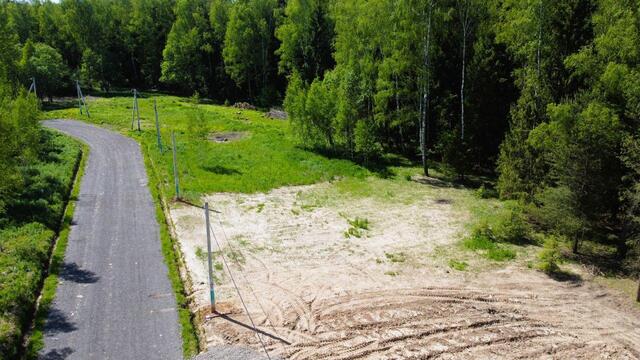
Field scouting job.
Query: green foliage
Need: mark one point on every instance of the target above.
(185, 56)
(360, 223)
(249, 48)
(20, 143)
(556, 212)
(480, 239)
(22, 260)
(550, 256)
(27, 233)
(490, 234)
(197, 124)
(46, 65)
(458, 265)
(500, 254)
(92, 70)
(305, 35)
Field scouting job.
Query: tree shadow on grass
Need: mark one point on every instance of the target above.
(379, 165)
(220, 170)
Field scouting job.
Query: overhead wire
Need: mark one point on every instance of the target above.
(224, 260)
(224, 233)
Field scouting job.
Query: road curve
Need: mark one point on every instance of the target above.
(114, 299)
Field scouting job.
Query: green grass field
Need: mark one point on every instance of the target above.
(264, 158)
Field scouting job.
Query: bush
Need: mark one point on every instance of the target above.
(512, 225)
(550, 257)
(509, 226)
(485, 192)
(556, 212)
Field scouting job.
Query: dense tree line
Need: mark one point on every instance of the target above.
(546, 93)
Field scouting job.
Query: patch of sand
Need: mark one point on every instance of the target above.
(317, 294)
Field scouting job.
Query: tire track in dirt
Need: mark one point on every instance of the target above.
(331, 297)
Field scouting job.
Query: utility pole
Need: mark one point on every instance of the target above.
(155, 109)
(212, 294)
(79, 97)
(136, 110)
(175, 165)
(81, 101)
(32, 87)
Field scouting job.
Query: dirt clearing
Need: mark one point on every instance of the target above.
(334, 271)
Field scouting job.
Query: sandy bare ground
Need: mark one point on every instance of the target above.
(317, 294)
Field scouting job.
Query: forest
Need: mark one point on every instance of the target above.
(541, 95)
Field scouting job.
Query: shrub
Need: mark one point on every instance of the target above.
(481, 239)
(485, 239)
(550, 257)
(512, 225)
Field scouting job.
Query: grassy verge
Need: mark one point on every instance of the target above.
(35, 216)
(36, 341)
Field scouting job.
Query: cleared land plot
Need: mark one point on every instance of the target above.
(318, 291)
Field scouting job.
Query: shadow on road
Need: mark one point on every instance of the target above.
(57, 354)
(72, 272)
(57, 322)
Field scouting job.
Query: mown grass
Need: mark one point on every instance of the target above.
(27, 234)
(266, 157)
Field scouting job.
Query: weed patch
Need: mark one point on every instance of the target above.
(458, 265)
(399, 257)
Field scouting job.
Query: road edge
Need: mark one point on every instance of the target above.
(173, 259)
(35, 338)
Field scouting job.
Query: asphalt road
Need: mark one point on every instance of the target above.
(114, 300)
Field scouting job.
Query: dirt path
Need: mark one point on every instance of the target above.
(384, 295)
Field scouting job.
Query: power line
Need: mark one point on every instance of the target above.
(247, 281)
(224, 260)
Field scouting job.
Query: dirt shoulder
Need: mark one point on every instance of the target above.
(319, 293)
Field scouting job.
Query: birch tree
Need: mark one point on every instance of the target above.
(465, 8)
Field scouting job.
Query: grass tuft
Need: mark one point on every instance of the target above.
(458, 265)
(399, 257)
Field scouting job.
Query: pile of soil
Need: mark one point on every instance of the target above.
(276, 114)
(244, 105)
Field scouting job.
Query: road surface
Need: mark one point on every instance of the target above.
(114, 299)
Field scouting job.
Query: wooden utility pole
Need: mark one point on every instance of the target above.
(155, 110)
(212, 295)
(175, 165)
